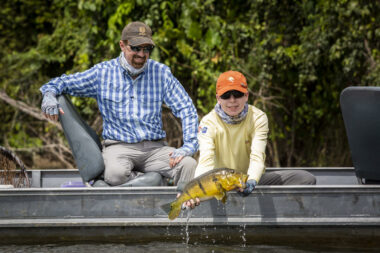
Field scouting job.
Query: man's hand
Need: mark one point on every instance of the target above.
(50, 106)
(173, 161)
(249, 187)
(176, 156)
(192, 203)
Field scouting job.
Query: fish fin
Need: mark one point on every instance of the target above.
(224, 199)
(222, 193)
(222, 196)
(172, 209)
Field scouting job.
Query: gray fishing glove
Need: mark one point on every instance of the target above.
(50, 104)
(180, 152)
(177, 155)
(250, 186)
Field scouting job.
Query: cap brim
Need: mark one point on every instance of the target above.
(140, 41)
(225, 89)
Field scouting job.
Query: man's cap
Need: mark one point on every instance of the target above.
(137, 33)
(231, 80)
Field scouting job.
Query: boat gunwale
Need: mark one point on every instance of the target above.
(172, 190)
(193, 221)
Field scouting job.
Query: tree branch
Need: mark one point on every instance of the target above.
(370, 58)
(28, 109)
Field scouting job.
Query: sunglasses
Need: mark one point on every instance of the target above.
(147, 49)
(235, 93)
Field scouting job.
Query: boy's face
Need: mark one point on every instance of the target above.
(232, 102)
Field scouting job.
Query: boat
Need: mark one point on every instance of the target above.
(337, 209)
(341, 210)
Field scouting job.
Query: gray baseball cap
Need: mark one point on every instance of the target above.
(137, 33)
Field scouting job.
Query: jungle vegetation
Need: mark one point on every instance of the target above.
(298, 55)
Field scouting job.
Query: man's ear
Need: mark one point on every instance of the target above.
(123, 45)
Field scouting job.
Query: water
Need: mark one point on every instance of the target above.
(164, 248)
(187, 243)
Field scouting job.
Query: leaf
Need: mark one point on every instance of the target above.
(194, 32)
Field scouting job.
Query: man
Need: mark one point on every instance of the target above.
(234, 135)
(130, 91)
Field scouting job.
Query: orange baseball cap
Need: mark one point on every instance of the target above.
(231, 80)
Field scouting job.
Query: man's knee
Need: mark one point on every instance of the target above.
(115, 178)
(189, 163)
(285, 177)
(310, 178)
(305, 178)
(116, 174)
(187, 171)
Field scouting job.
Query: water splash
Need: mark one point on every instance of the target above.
(204, 232)
(185, 234)
(244, 239)
(243, 208)
(189, 212)
(242, 230)
(167, 233)
(181, 231)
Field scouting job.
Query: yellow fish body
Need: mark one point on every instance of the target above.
(214, 183)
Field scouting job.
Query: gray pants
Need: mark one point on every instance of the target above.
(287, 177)
(123, 161)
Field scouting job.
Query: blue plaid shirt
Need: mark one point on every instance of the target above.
(132, 109)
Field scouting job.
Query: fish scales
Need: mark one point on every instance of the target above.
(201, 188)
(214, 183)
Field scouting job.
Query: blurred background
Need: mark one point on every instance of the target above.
(297, 56)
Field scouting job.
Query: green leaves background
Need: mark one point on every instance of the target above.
(297, 56)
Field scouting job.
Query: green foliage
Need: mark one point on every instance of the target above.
(297, 56)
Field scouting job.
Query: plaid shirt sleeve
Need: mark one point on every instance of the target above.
(182, 107)
(82, 84)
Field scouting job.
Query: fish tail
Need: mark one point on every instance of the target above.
(172, 209)
(166, 207)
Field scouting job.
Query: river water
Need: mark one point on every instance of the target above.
(164, 247)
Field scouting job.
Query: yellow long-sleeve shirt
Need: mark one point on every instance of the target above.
(237, 146)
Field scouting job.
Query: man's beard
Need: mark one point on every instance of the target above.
(138, 64)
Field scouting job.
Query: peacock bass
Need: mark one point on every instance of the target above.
(214, 183)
